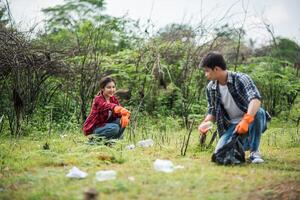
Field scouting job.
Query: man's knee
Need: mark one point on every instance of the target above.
(258, 126)
(260, 114)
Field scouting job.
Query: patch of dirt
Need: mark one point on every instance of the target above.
(13, 187)
(288, 190)
(60, 164)
(104, 157)
(55, 164)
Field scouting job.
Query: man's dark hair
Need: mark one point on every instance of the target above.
(213, 59)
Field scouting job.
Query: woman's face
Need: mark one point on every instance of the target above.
(109, 90)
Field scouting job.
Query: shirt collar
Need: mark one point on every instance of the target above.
(229, 77)
(229, 80)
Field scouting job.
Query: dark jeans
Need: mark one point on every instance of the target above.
(112, 130)
(252, 139)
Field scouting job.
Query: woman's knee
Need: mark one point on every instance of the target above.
(108, 131)
(114, 129)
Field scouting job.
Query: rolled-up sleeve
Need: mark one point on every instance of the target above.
(250, 90)
(210, 108)
(100, 105)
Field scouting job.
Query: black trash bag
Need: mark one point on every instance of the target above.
(231, 153)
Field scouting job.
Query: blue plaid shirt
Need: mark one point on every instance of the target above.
(242, 90)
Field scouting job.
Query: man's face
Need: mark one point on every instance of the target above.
(211, 74)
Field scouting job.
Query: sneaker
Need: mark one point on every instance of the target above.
(255, 157)
(94, 140)
(91, 141)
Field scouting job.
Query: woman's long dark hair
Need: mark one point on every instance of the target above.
(104, 81)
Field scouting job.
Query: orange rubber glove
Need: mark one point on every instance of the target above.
(124, 121)
(243, 126)
(121, 110)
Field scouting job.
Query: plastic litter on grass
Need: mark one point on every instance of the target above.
(165, 166)
(145, 143)
(130, 147)
(76, 173)
(104, 175)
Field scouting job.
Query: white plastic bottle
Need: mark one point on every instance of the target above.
(205, 126)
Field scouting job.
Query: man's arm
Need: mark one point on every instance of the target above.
(211, 112)
(202, 127)
(243, 126)
(209, 118)
(253, 107)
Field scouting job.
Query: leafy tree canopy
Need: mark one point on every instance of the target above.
(67, 14)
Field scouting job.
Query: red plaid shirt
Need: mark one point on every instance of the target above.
(99, 114)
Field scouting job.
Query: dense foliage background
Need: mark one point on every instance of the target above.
(48, 80)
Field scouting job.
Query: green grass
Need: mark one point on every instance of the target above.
(27, 171)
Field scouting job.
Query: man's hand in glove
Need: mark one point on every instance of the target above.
(243, 126)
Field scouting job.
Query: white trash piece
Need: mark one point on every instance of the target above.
(165, 166)
(130, 147)
(178, 167)
(145, 143)
(76, 173)
(206, 125)
(106, 175)
(131, 178)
